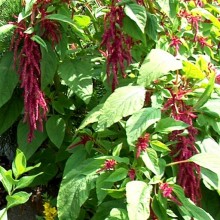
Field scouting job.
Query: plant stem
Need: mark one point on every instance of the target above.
(177, 162)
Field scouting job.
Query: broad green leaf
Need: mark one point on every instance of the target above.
(159, 146)
(105, 208)
(137, 13)
(210, 179)
(118, 214)
(130, 28)
(152, 26)
(3, 214)
(210, 161)
(25, 181)
(82, 21)
(140, 121)
(117, 175)
(123, 102)
(60, 18)
(152, 161)
(48, 65)
(29, 148)
(17, 199)
(10, 112)
(101, 185)
(6, 179)
(192, 71)
(167, 125)
(211, 108)
(188, 207)
(138, 199)
(5, 29)
(157, 63)
(19, 164)
(159, 209)
(77, 75)
(207, 93)
(40, 41)
(92, 116)
(76, 186)
(8, 78)
(55, 127)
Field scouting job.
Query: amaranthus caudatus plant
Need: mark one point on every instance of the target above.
(144, 147)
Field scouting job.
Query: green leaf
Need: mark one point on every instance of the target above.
(140, 121)
(117, 214)
(6, 179)
(159, 146)
(77, 75)
(192, 71)
(8, 78)
(82, 21)
(40, 41)
(17, 199)
(25, 181)
(55, 127)
(211, 107)
(130, 28)
(188, 207)
(3, 214)
(210, 161)
(159, 209)
(123, 102)
(167, 125)
(152, 26)
(61, 18)
(92, 116)
(138, 199)
(117, 175)
(5, 29)
(79, 178)
(29, 148)
(152, 162)
(19, 164)
(210, 179)
(156, 64)
(101, 185)
(207, 93)
(137, 13)
(48, 65)
(10, 112)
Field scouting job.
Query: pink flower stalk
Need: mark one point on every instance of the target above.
(117, 44)
(108, 165)
(35, 106)
(83, 140)
(142, 144)
(132, 174)
(175, 42)
(193, 19)
(167, 193)
(189, 173)
(203, 41)
(49, 29)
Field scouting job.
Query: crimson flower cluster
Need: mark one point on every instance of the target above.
(117, 44)
(167, 193)
(35, 106)
(142, 144)
(108, 165)
(189, 173)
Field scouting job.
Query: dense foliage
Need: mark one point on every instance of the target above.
(117, 103)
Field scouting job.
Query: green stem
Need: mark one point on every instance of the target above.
(150, 5)
(178, 162)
